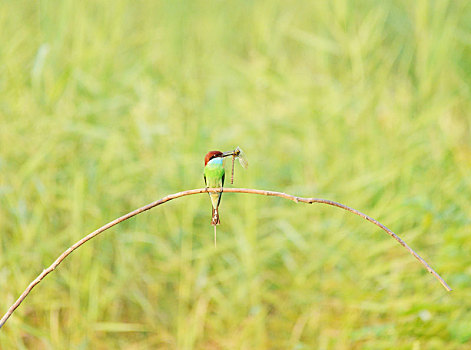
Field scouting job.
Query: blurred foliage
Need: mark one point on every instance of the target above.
(108, 105)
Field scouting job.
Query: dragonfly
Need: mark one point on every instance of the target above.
(240, 155)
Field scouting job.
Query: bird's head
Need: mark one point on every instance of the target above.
(212, 154)
(217, 154)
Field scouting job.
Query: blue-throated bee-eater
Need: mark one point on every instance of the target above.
(214, 177)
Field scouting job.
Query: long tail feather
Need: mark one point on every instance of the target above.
(215, 233)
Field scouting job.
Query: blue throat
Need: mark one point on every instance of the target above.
(215, 161)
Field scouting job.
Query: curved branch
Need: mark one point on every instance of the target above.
(296, 199)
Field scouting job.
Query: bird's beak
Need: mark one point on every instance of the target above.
(227, 154)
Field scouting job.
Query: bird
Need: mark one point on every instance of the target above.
(214, 175)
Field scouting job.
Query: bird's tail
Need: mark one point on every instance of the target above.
(215, 218)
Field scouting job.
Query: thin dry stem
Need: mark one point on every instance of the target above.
(296, 199)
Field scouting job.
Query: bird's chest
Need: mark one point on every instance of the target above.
(214, 171)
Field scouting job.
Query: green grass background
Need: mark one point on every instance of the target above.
(108, 105)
